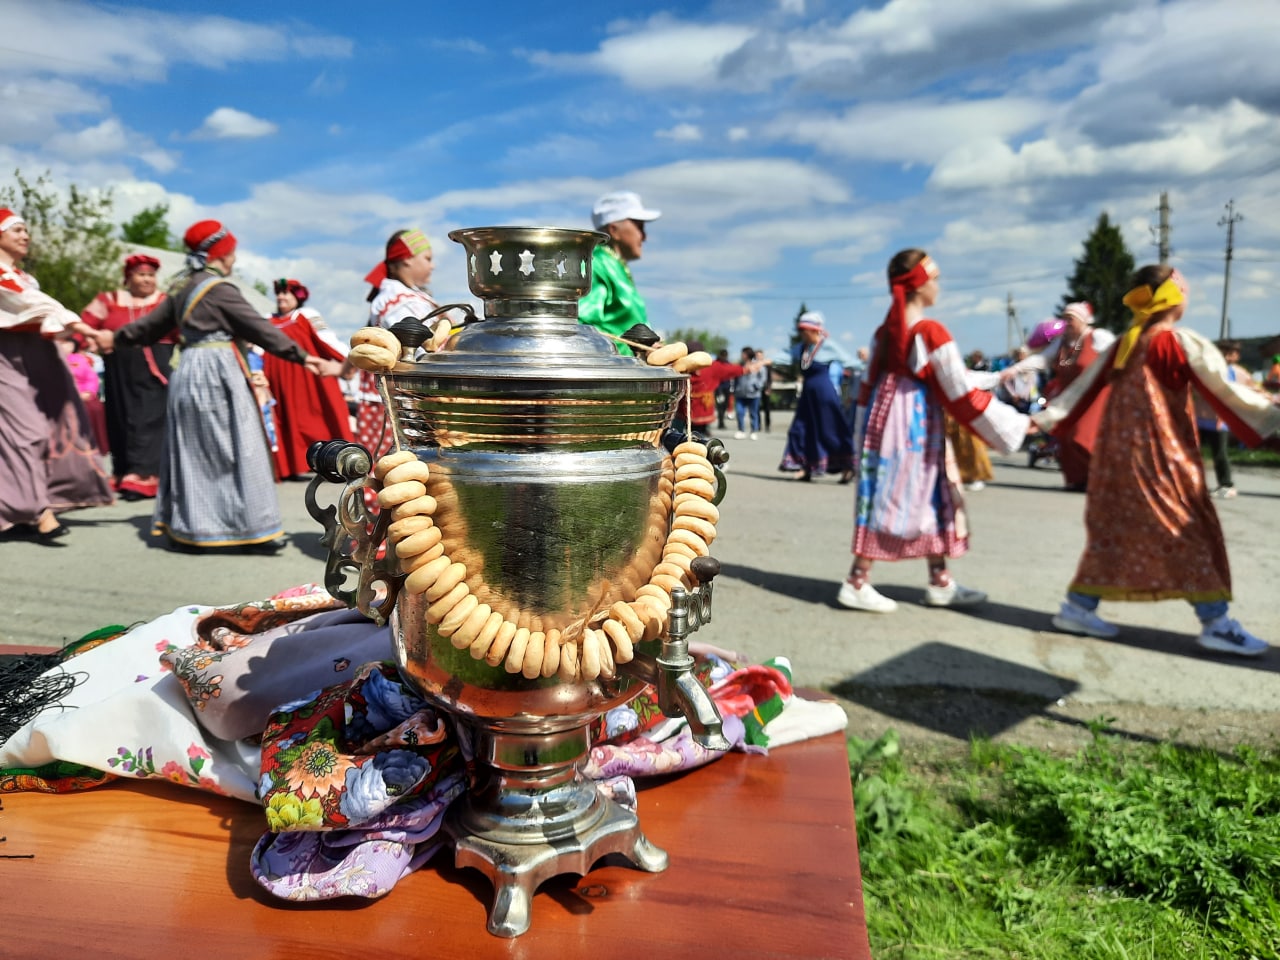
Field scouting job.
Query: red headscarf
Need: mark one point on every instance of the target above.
(403, 246)
(207, 240)
(137, 260)
(893, 344)
(9, 219)
(295, 287)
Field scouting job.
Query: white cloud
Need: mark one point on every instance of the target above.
(228, 123)
(108, 139)
(681, 133)
(459, 44)
(662, 53)
(31, 107)
(118, 43)
(1191, 144)
(912, 131)
(738, 134)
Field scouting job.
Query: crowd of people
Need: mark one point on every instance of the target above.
(198, 386)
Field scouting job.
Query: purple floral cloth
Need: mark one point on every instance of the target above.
(362, 862)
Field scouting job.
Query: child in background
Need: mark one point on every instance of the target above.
(88, 385)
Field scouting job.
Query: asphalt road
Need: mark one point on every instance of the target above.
(784, 546)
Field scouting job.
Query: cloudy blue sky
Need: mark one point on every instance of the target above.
(792, 145)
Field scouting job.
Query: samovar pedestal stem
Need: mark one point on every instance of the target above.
(530, 815)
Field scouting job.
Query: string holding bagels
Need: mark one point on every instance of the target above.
(463, 608)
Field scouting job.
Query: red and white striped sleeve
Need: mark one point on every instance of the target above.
(936, 358)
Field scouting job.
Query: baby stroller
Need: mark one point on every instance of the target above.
(1041, 447)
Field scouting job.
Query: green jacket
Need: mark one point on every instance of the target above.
(613, 305)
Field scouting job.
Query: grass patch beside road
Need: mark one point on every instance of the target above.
(1120, 851)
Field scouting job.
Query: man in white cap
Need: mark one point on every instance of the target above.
(614, 305)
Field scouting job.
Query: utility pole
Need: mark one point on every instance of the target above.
(1229, 221)
(1162, 234)
(1014, 329)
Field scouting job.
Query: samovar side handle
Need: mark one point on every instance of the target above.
(352, 546)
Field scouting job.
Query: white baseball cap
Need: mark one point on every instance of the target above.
(620, 205)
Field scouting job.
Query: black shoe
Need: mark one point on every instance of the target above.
(49, 537)
(29, 533)
(268, 548)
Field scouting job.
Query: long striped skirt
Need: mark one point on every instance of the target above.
(908, 502)
(217, 488)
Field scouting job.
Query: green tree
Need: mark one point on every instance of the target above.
(150, 227)
(713, 343)
(1102, 276)
(74, 252)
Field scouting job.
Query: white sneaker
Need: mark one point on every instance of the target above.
(1225, 635)
(865, 597)
(1225, 493)
(755, 436)
(1085, 623)
(739, 435)
(952, 595)
(976, 485)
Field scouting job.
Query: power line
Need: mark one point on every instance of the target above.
(716, 294)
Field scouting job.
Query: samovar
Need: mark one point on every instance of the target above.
(544, 452)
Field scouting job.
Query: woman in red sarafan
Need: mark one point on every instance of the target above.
(1152, 531)
(308, 407)
(702, 390)
(136, 387)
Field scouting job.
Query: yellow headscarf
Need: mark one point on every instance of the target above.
(1145, 303)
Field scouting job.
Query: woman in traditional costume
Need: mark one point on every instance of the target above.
(47, 458)
(216, 485)
(399, 292)
(1063, 360)
(909, 502)
(1152, 531)
(819, 440)
(308, 408)
(136, 380)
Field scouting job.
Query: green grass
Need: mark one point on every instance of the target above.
(1121, 851)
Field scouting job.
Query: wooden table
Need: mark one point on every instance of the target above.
(764, 863)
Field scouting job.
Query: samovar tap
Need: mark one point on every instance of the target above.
(671, 671)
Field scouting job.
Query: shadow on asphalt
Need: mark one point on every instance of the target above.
(823, 591)
(1140, 638)
(789, 585)
(309, 544)
(142, 527)
(954, 691)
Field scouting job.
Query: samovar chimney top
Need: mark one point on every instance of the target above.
(528, 272)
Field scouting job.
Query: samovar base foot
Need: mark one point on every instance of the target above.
(517, 870)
